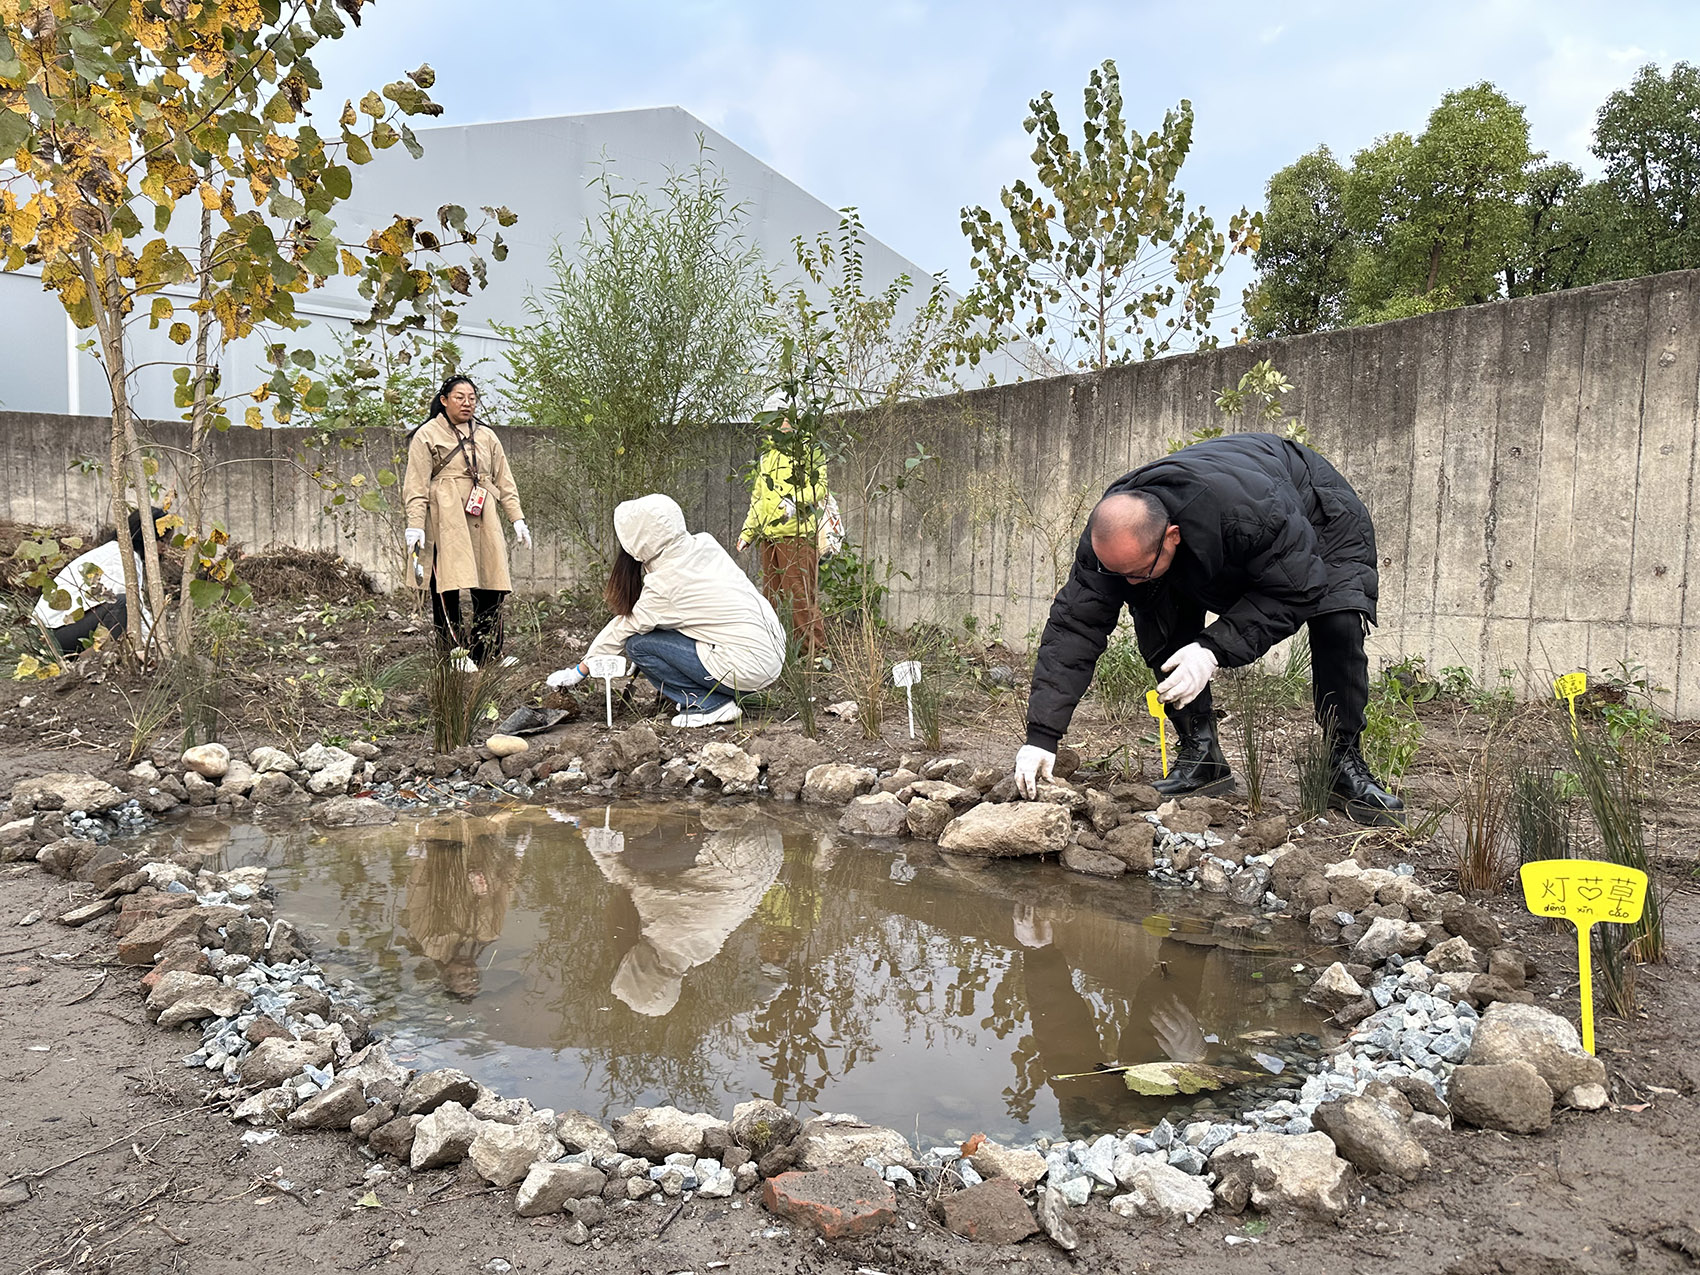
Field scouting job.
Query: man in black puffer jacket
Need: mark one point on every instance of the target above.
(1266, 534)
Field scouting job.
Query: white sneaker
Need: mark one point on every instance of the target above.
(727, 712)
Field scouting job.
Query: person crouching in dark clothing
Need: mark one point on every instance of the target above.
(1261, 531)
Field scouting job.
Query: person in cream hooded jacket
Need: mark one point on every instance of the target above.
(698, 628)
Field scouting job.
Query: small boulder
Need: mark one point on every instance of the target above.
(501, 746)
(504, 1153)
(658, 1132)
(548, 1187)
(1275, 1170)
(209, 761)
(213, 1002)
(395, 1137)
(1021, 1165)
(834, 783)
(734, 769)
(336, 1108)
(432, 1089)
(353, 812)
(998, 831)
(1388, 937)
(1510, 1032)
(276, 788)
(271, 761)
(832, 1139)
(1511, 1096)
(267, 1108)
(991, 1213)
(632, 748)
(1134, 843)
(759, 1126)
(580, 1132)
(1371, 1135)
(840, 1203)
(276, 1060)
(1159, 1190)
(443, 1137)
(1092, 863)
(880, 814)
(926, 818)
(1334, 989)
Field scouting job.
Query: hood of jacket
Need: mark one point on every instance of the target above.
(649, 526)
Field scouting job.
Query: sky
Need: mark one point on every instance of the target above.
(912, 110)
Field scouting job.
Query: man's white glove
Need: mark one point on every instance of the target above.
(560, 679)
(415, 538)
(1189, 671)
(522, 533)
(1032, 764)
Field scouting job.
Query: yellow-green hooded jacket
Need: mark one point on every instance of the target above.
(775, 500)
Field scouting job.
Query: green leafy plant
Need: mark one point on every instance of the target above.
(371, 684)
(1392, 733)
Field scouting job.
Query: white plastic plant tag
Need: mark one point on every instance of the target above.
(607, 667)
(605, 840)
(906, 673)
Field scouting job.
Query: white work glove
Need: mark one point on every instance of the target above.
(415, 538)
(522, 533)
(1032, 764)
(1189, 671)
(560, 679)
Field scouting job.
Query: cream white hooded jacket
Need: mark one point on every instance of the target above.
(692, 585)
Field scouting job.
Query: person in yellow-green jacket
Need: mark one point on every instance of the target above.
(783, 520)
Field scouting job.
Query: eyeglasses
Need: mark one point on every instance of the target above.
(1141, 577)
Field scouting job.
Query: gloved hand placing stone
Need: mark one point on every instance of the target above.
(1032, 764)
(560, 679)
(1189, 671)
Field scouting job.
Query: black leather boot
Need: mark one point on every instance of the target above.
(1360, 794)
(1197, 768)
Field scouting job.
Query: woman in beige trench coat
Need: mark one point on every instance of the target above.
(456, 472)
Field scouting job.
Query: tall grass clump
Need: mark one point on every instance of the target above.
(797, 677)
(1251, 696)
(460, 701)
(1316, 775)
(1540, 813)
(1122, 678)
(1610, 784)
(1482, 813)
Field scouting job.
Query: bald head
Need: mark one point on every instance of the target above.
(1129, 521)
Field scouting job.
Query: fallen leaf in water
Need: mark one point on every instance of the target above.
(973, 1144)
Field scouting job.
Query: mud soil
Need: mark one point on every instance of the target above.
(152, 1180)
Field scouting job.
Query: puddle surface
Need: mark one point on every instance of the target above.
(636, 955)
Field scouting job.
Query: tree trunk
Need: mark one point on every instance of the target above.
(196, 486)
(108, 321)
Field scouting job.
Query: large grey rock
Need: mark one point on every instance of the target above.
(271, 761)
(443, 1137)
(736, 770)
(1092, 863)
(1023, 1165)
(175, 985)
(209, 761)
(1527, 1033)
(333, 778)
(353, 812)
(335, 1108)
(998, 831)
(373, 1065)
(319, 756)
(548, 1187)
(880, 814)
(1275, 1170)
(580, 1132)
(1511, 1096)
(834, 783)
(1388, 937)
(1455, 956)
(1134, 843)
(1371, 1135)
(206, 1002)
(658, 1132)
(63, 790)
(395, 1137)
(927, 818)
(633, 747)
(238, 779)
(759, 1126)
(431, 1089)
(1159, 1190)
(504, 1153)
(277, 1060)
(275, 788)
(831, 1140)
(1334, 989)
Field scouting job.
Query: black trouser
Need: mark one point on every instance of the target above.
(485, 640)
(114, 615)
(1339, 669)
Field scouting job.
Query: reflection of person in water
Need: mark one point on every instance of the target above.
(1062, 1021)
(457, 897)
(689, 901)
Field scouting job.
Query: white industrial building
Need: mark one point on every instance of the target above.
(542, 169)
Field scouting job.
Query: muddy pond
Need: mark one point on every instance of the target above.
(607, 957)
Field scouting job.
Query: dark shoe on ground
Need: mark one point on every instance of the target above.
(1198, 769)
(1360, 794)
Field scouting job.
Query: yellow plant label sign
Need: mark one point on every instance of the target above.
(1584, 892)
(1154, 706)
(1570, 686)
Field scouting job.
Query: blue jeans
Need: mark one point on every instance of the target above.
(669, 660)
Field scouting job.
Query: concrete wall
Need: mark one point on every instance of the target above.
(1530, 466)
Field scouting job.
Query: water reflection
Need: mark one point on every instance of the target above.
(639, 954)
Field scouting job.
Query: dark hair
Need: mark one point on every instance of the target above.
(136, 538)
(438, 408)
(625, 583)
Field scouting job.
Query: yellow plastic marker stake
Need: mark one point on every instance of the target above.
(1568, 688)
(1584, 892)
(1154, 706)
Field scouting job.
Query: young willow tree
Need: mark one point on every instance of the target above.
(646, 338)
(161, 166)
(1108, 263)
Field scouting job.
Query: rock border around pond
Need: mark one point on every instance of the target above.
(1428, 994)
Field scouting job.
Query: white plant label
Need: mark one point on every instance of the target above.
(607, 667)
(906, 675)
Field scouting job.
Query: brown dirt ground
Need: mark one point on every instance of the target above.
(165, 1185)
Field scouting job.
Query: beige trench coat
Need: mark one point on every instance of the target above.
(467, 552)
